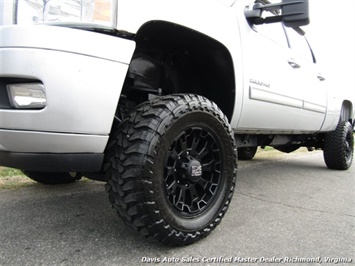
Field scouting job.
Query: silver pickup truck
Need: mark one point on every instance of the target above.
(160, 98)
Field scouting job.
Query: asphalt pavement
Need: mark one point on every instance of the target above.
(287, 209)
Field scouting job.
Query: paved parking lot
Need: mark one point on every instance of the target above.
(287, 209)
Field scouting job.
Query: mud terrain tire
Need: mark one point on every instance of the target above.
(339, 147)
(171, 168)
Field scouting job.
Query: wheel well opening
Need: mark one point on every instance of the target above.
(347, 111)
(170, 58)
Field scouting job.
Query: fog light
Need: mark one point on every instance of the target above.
(27, 95)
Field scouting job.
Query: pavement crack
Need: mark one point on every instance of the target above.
(295, 207)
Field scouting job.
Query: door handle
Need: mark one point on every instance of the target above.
(320, 77)
(293, 64)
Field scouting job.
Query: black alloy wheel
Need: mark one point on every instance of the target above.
(192, 171)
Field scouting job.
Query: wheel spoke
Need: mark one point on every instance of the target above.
(170, 171)
(194, 145)
(205, 150)
(179, 197)
(174, 155)
(202, 183)
(172, 187)
(193, 193)
(207, 167)
(183, 144)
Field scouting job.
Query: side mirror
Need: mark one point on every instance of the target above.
(294, 13)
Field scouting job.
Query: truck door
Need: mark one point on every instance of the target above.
(309, 81)
(271, 102)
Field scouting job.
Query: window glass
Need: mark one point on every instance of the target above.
(274, 32)
(37, 11)
(299, 44)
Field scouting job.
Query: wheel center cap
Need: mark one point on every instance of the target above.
(195, 170)
(189, 169)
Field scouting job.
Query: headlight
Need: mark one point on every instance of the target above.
(95, 11)
(27, 95)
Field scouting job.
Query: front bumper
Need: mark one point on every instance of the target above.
(82, 72)
(78, 162)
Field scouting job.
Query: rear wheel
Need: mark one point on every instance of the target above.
(48, 178)
(339, 147)
(171, 168)
(247, 153)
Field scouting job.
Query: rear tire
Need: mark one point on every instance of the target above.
(339, 147)
(48, 178)
(247, 153)
(171, 168)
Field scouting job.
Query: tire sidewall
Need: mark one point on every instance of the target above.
(159, 152)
